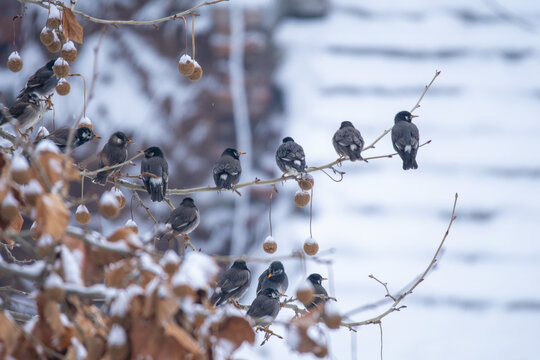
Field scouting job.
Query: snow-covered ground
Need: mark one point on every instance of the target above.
(365, 62)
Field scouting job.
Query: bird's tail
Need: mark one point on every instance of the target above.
(156, 193)
(101, 177)
(356, 155)
(409, 162)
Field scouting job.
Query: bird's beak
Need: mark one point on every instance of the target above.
(242, 153)
(141, 151)
(282, 295)
(269, 275)
(130, 141)
(414, 116)
(324, 278)
(97, 136)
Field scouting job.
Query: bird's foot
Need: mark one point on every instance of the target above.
(339, 161)
(236, 191)
(236, 304)
(48, 102)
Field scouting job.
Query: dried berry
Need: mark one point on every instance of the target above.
(304, 293)
(108, 205)
(82, 215)
(301, 198)
(20, 170)
(55, 18)
(63, 87)
(14, 62)
(69, 52)
(270, 245)
(132, 225)
(197, 72)
(306, 181)
(310, 246)
(56, 44)
(61, 68)
(46, 36)
(186, 65)
(9, 208)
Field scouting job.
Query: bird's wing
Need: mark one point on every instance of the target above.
(415, 135)
(59, 136)
(184, 214)
(262, 277)
(229, 167)
(165, 175)
(234, 280)
(291, 151)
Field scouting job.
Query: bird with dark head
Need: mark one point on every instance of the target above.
(114, 152)
(80, 137)
(290, 157)
(185, 218)
(232, 284)
(155, 173)
(274, 277)
(25, 111)
(316, 280)
(264, 309)
(227, 169)
(405, 139)
(42, 82)
(348, 141)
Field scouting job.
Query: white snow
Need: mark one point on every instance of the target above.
(19, 163)
(10, 200)
(197, 271)
(310, 241)
(81, 209)
(42, 132)
(108, 198)
(72, 269)
(46, 145)
(85, 120)
(61, 62)
(117, 336)
(305, 285)
(269, 239)
(130, 223)
(53, 281)
(32, 270)
(14, 56)
(148, 264)
(32, 188)
(80, 350)
(121, 303)
(170, 257)
(54, 13)
(45, 240)
(68, 46)
(184, 59)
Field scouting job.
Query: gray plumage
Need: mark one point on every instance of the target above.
(348, 141)
(274, 277)
(43, 81)
(290, 157)
(25, 110)
(227, 169)
(233, 283)
(405, 139)
(80, 136)
(113, 153)
(185, 218)
(315, 280)
(154, 163)
(265, 307)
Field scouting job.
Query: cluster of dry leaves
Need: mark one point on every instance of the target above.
(112, 297)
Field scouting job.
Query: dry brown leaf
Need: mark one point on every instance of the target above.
(236, 329)
(147, 339)
(52, 316)
(51, 164)
(9, 333)
(72, 29)
(5, 177)
(166, 308)
(305, 343)
(183, 338)
(52, 216)
(115, 276)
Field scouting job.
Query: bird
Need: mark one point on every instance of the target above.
(290, 157)
(315, 280)
(233, 283)
(114, 152)
(227, 169)
(348, 141)
(274, 277)
(60, 137)
(155, 173)
(25, 110)
(185, 218)
(405, 138)
(264, 309)
(43, 81)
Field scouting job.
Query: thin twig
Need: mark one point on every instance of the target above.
(394, 306)
(383, 284)
(95, 172)
(127, 22)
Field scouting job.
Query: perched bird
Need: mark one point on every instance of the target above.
(114, 152)
(227, 169)
(185, 218)
(155, 173)
(42, 82)
(232, 284)
(315, 280)
(405, 139)
(348, 142)
(25, 110)
(290, 157)
(274, 277)
(265, 307)
(80, 136)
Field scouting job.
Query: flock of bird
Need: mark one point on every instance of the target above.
(290, 158)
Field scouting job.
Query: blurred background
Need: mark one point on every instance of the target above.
(298, 68)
